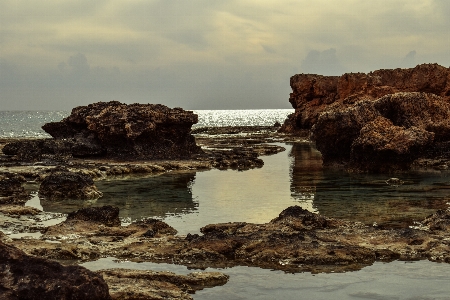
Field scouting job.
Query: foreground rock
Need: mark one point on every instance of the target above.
(136, 284)
(26, 277)
(64, 184)
(296, 241)
(312, 94)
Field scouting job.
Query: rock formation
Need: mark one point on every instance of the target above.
(64, 184)
(381, 121)
(121, 130)
(115, 130)
(312, 94)
(384, 134)
(27, 277)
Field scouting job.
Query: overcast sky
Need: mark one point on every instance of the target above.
(203, 54)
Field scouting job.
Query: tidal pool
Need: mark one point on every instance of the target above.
(190, 200)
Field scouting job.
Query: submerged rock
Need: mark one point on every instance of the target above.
(64, 184)
(27, 277)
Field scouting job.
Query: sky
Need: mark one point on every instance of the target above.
(204, 54)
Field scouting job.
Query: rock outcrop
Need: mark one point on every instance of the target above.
(27, 277)
(64, 184)
(115, 130)
(121, 130)
(313, 94)
(384, 134)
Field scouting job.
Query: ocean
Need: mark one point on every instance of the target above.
(27, 124)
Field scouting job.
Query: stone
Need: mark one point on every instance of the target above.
(128, 131)
(386, 134)
(11, 189)
(312, 94)
(138, 284)
(106, 215)
(64, 184)
(26, 277)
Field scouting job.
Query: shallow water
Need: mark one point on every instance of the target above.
(395, 280)
(189, 200)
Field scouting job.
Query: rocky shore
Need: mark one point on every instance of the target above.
(384, 121)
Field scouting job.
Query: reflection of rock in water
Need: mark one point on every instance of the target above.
(152, 196)
(365, 198)
(305, 173)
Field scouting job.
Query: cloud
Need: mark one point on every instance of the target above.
(203, 53)
(323, 63)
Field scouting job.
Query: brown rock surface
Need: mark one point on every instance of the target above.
(385, 134)
(312, 94)
(26, 277)
(64, 184)
(128, 131)
(11, 189)
(136, 284)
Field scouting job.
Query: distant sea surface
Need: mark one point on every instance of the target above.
(27, 124)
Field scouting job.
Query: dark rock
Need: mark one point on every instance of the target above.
(27, 277)
(11, 189)
(128, 131)
(106, 215)
(385, 134)
(64, 184)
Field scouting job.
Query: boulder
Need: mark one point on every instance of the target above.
(126, 131)
(26, 277)
(385, 134)
(106, 215)
(64, 184)
(313, 94)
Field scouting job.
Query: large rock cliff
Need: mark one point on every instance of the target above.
(312, 94)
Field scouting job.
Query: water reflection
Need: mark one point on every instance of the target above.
(137, 197)
(365, 197)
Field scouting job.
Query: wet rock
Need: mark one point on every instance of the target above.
(106, 215)
(11, 189)
(128, 131)
(64, 184)
(313, 94)
(440, 220)
(385, 134)
(26, 277)
(136, 284)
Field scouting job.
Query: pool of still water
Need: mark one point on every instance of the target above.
(189, 200)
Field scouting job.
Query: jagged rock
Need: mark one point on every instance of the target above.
(11, 189)
(128, 131)
(384, 134)
(64, 184)
(27, 277)
(313, 94)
